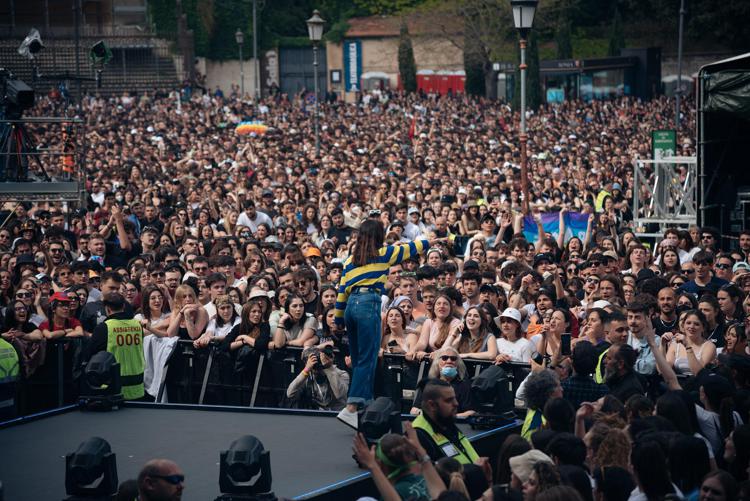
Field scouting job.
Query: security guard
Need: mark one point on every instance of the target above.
(533, 421)
(8, 378)
(122, 336)
(436, 427)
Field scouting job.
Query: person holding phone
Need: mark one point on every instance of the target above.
(549, 342)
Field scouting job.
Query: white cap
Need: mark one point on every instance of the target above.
(601, 304)
(511, 313)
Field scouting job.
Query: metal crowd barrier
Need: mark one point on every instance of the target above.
(208, 376)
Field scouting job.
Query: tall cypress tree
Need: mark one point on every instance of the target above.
(407, 67)
(616, 36)
(562, 34)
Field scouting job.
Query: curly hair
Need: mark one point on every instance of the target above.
(614, 450)
(539, 387)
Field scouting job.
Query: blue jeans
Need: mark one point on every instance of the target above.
(362, 317)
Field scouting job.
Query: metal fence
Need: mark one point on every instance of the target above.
(138, 64)
(211, 376)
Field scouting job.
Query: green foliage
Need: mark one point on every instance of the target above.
(385, 7)
(723, 20)
(562, 35)
(407, 66)
(616, 36)
(585, 46)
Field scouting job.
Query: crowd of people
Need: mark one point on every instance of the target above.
(637, 349)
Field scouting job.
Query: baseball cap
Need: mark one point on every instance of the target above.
(543, 256)
(741, 265)
(60, 296)
(511, 313)
(523, 465)
(610, 254)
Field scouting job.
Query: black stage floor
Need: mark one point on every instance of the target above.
(310, 451)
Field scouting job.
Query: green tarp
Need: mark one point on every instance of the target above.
(729, 92)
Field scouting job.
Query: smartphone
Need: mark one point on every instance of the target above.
(565, 344)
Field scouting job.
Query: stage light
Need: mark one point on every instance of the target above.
(99, 54)
(245, 470)
(31, 45)
(101, 388)
(492, 390)
(91, 471)
(380, 417)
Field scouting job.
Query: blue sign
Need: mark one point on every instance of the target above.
(352, 65)
(575, 225)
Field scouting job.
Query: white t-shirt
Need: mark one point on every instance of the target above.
(260, 217)
(519, 350)
(220, 332)
(211, 310)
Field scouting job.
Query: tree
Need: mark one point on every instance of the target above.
(407, 67)
(616, 36)
(476, 27)
(562, 33)
(474, 66)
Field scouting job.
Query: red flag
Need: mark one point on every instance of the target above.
(413, 127)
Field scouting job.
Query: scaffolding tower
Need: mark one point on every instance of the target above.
(672, 183)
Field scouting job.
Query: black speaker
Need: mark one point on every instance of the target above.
(647, 71)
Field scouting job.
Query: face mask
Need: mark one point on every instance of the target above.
(449, 372)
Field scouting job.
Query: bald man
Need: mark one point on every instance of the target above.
(160, 480)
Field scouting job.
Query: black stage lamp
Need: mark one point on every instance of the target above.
(101, 388)
(91, 471)
(493, 392)
(99, 54)
(380, 417)
(245, 470)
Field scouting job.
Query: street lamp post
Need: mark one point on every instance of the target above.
(523, 18)
(315, 30)
(256, 66)
(240, 38)
(678, 92)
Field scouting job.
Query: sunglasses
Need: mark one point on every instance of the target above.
(171, 479)
(707, 237)
(596, 263)
(170, 261)
(591, 280)
(452, 358)
(723, 266)
(688, 270)
(157, 274)
(56, 250)
(302, 282)
(22, 295)
(200, 268)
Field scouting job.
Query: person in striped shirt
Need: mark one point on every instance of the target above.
(358, 306)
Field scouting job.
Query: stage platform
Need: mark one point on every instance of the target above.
(310, 450)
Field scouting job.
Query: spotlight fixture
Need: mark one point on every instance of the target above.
(31, 45)
(380, 417)
(91, 471)
(245, 471)
(493, 392)
(101, 388)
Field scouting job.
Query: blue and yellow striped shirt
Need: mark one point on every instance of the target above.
(373, 274)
